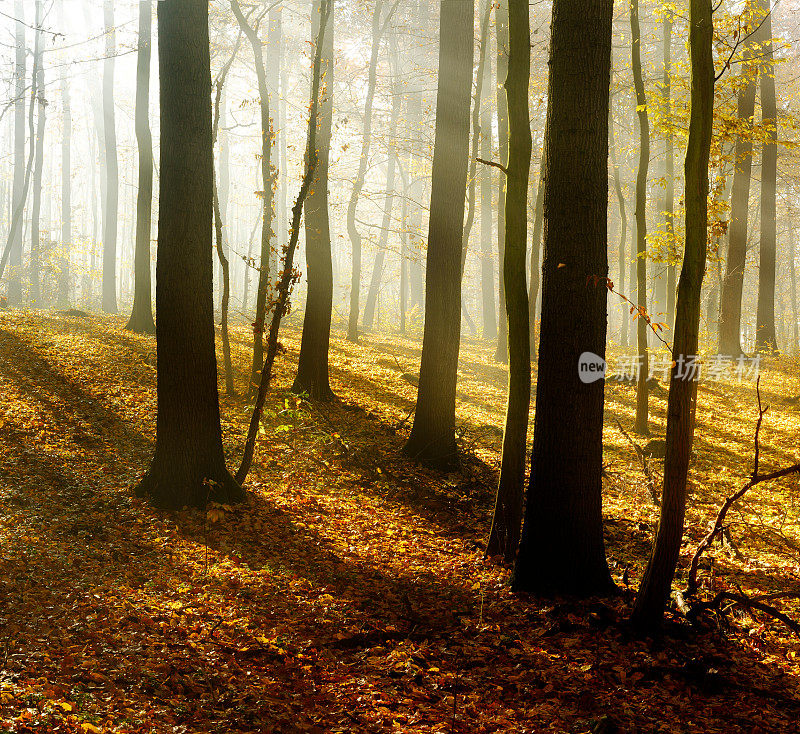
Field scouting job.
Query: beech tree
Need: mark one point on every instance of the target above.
(188, 466)
(432, 438)
(111, 208)
(562, 548)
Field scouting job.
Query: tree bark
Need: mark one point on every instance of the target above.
(312, 366)
(188, 467)
(654, 591)
(432, 438)
(141, 319)
(562, 549)
(766, 338)
(111, 210)
(504, 535)
(730, 317)
(641, 423)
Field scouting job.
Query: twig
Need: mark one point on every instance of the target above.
(651, 484)
(493, 164)
(747, 602)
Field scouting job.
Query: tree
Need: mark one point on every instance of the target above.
(432, 438)
(488, 292)
(640, 212)
(251, 31)
(561, 549)
(501, 31)
(669, 168)
(730, 315)
(312, 365)
(36, 201)
(110, 211)
(504, 535)
(141, 320)
(766, 339)
(188, 466)
(19, 192)
(66, 183)
(653, 593)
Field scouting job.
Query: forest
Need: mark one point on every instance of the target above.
(399, 366)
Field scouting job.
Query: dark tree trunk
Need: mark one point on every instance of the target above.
(730, 314)
(641, 424)
(562, 549)
(141, 320)
(432, 437)
(188, 467)
(312, 367)
(504, 535)
(766, 338)
(501, 22)
(654, 591)
(111, 210)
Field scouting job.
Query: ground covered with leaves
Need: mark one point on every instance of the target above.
(350, 594)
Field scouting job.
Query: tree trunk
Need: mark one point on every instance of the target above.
(501, 27)
(669, 172)
(262, 291)
(432, 438)
(623, 227)
(488, 292)
(35, 294)
(504, 535)
(358, 184)
(535, 266)
(654, 591)
(141, 320)
(65, 276)
(188, 467)
(730, 315)
(562, 549)
(17, 198)
(111, 210)
(766, 339)
(641, 424)
(312, 366)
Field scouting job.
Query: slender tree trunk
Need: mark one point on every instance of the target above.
(141, 320)
(535, 266)
(641, 424)
(504, 535)
(312, 367)
(669, 173)
(432, 437)
(111, 210)
(793, 277)
(18, 198)
(358, 184)
(65, 276)
(188, 467)
(730, 316)
(38, 167)
(262, 292)
(562, 549)
(404, 250)
(501, 24)
(766, 338)
(488, 292)
(623, 225)
(654, 591)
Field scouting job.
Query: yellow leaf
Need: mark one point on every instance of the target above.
(64, 706)
(91, 728)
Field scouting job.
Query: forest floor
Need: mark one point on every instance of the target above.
(350, 594)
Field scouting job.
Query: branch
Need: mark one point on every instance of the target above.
(651, 484)
(747, 602)
(493, 164)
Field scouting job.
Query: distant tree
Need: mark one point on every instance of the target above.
(19, 187)
(766, 338)
(35, 294)
(141, 320)
(730, 316)
(562, 549)
(66, 183)
(501, 32)
(188, 467)
(488, 292)
(504, 535)
(432, 437)
(312, 366)
(669, 169)
(250, 29)
(654, 591)
(111, 209)
(641, 424)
